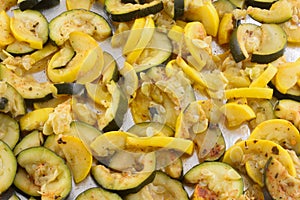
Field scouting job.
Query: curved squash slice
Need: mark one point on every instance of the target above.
(78, 157)
(236, 114)
(279, 12)
(6, 36)
(85, 66)
(8, 167)
(30, 26)
(206, 13)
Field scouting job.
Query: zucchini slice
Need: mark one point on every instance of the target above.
(19, 48)
(279, 183)
(110, 68)
(174, 8)
(69, 88)
(122, 12)
(114, 114)
(10, 100)
(211, 144)
(223, 6)
(97, 193)
(30, 26)
(268, 50)
(33, 139)
(148, 129)
(10, 131)
(8, 167)
(215, 178)
(78, 20)
(158, 51)
(37, 4)
(85, 132)
(281, 11)
(240, 45)
(287, 95)
(43, 173)
(264, 4)
(120, 181)
(168, 189)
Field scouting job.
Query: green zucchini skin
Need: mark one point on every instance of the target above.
(110, 69)
(264, 4)
(235, 49)
(37, 4)
(122, 15)
(116, 123)
(178, 8)
(280, 96)
(69, 88)
(3, 102)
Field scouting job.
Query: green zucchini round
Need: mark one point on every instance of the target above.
(86, 21)
(224, 175)
(56, 180)
(120, 182)
(8, 166)
(10, 130)
(238, 39)
(269, 50)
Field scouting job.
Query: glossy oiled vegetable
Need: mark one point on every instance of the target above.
(171, 73)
